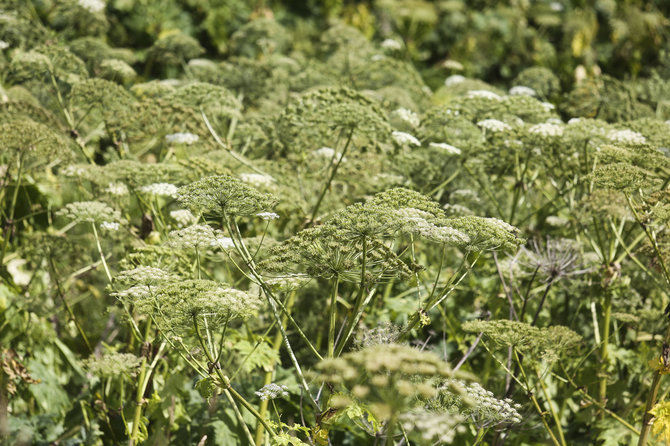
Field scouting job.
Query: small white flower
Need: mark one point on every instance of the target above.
(182, 138)
(502, 224)
(484, 94)
(574, 121)
(391, 44)
(626, 136)
(183, 217)
(555, 220)
(451, 150)
(257, 179)
(160, 189)
(408, 116)
(556, 6)
(93, 5)
(454, 79)
(144, 275)
(3, 45)
(272, 391)
(267, 215)
(193, 237)
(546, 129)
(548, 106)
(405, 138)
(118, 189)
(223, 243)
(328, 153)
(494, 125)
(110, 225)
(522, 91)
(452, 65)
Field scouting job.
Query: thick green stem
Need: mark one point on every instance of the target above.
(536, 404)
(351, 322)
(596, 403)
(102, 255)
(9, 225)
(332, 174)
(604, 351)
(139, 398)
(225, 383)
(66, 304)
(276, 345)
(647, 419)
(234, 232)
(333, 317)
(554, 415)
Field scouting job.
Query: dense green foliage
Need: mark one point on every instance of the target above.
(391, 222)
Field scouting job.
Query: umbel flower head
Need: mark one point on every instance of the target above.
(326, 251)
(221, 195)
(194, 237)
(478, 405)
(112, 364)
(178, 305)
(34, 141)
(315, 115)
(386, 377)
(90, 211)
(485, 234)
(538, 343)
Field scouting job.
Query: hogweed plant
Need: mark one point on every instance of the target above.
(291, 231)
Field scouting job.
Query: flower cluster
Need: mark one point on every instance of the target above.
(160, 189)
(272, 391)
(224, 195)
(494, 125)
(403, 138)
(182, 138)
(90, 211)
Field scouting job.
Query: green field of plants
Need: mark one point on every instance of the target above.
(337, 222)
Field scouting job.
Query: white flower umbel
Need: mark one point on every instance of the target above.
(494, 125)
(182, 138)
(183, 217)
(90, 211)
(110, 225)
(267, 215)
(257, 179)
(93, 5)
(391, 44)
(627, 137)
(118, 189)
(222, 243)
(272, 391)
(520, 90)
(328, 153)
(546, 129)
(3, 45)
(435, 427)
(448, 148)
(484, 94)
(144, 275)
(487, 410)
(160, 189)
(193, 237)
(403, 138)
(407, 116)
(453, 80)
(548, 106)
